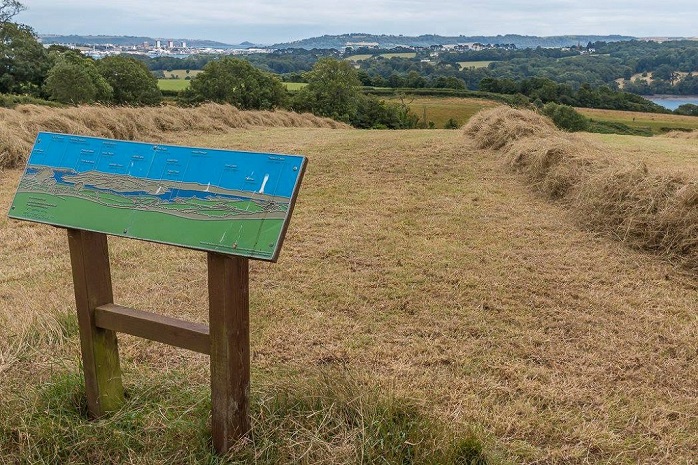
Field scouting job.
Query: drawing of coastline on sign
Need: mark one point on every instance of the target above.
(208, 199)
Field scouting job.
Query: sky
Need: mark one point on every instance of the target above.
(274, 21)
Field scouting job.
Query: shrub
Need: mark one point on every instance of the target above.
(565, 117)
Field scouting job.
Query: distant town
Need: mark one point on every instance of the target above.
(101, 46)
(181, 49)
(158, 48)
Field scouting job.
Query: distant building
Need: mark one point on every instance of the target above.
(184, 44)
(158, 44)
(362, 45)
(170, 44)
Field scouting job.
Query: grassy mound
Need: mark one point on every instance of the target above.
(19, 126)
(647, 210)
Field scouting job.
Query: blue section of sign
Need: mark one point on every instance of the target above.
(271, 174)
(224, 201)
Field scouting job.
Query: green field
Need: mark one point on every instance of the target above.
(182, 84)
(398, 55)
(657, 123)
(388, 56)
(359, 57)
(173, 84)
(181, 73)
(474, 64)
(440, 109)
(294, 86)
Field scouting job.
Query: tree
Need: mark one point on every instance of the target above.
(130, 81)
(74, 79)
(23, 60)
(688, 109)
(665, 73)
(332, 90)
(8, 10)
(235, 81)
(565, 117)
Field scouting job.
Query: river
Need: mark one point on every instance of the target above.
(672, 102)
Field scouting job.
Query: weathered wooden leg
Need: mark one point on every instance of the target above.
(229, 327)
(89, 257)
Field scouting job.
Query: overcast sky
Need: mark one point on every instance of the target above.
(270, 21)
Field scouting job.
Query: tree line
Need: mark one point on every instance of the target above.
(66, 76)
(531, 76)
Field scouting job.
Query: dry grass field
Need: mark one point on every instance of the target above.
(417, 266)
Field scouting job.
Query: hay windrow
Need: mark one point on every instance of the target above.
(493, 129)
(682, 134)
(650, 211)
(19, 126)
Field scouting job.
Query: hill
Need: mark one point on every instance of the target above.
(391, 41)
(124, 40)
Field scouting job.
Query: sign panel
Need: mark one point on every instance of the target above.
(225, 201)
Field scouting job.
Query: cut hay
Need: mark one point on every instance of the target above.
(19, 126)
(649, 211)
(495, 128)
(682, 134)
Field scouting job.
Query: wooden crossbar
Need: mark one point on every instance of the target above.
(172, 331)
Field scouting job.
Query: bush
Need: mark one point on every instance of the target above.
(451, 124)
(565, 117)
(687, 109)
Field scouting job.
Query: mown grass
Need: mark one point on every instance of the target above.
(417, 271)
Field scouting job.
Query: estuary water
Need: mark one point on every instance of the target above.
(672, 102)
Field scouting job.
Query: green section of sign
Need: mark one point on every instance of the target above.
(231, 202)
(245, 237)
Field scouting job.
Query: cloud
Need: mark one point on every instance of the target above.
(275, 20)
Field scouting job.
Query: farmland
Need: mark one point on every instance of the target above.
(419, 271)
(294, 86)
(474, 64)
(173, 84)
(181, 73)
(440, 109)
(657, 123)
(387, 56)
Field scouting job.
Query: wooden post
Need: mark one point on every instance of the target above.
(89, 257)
(228, 294)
